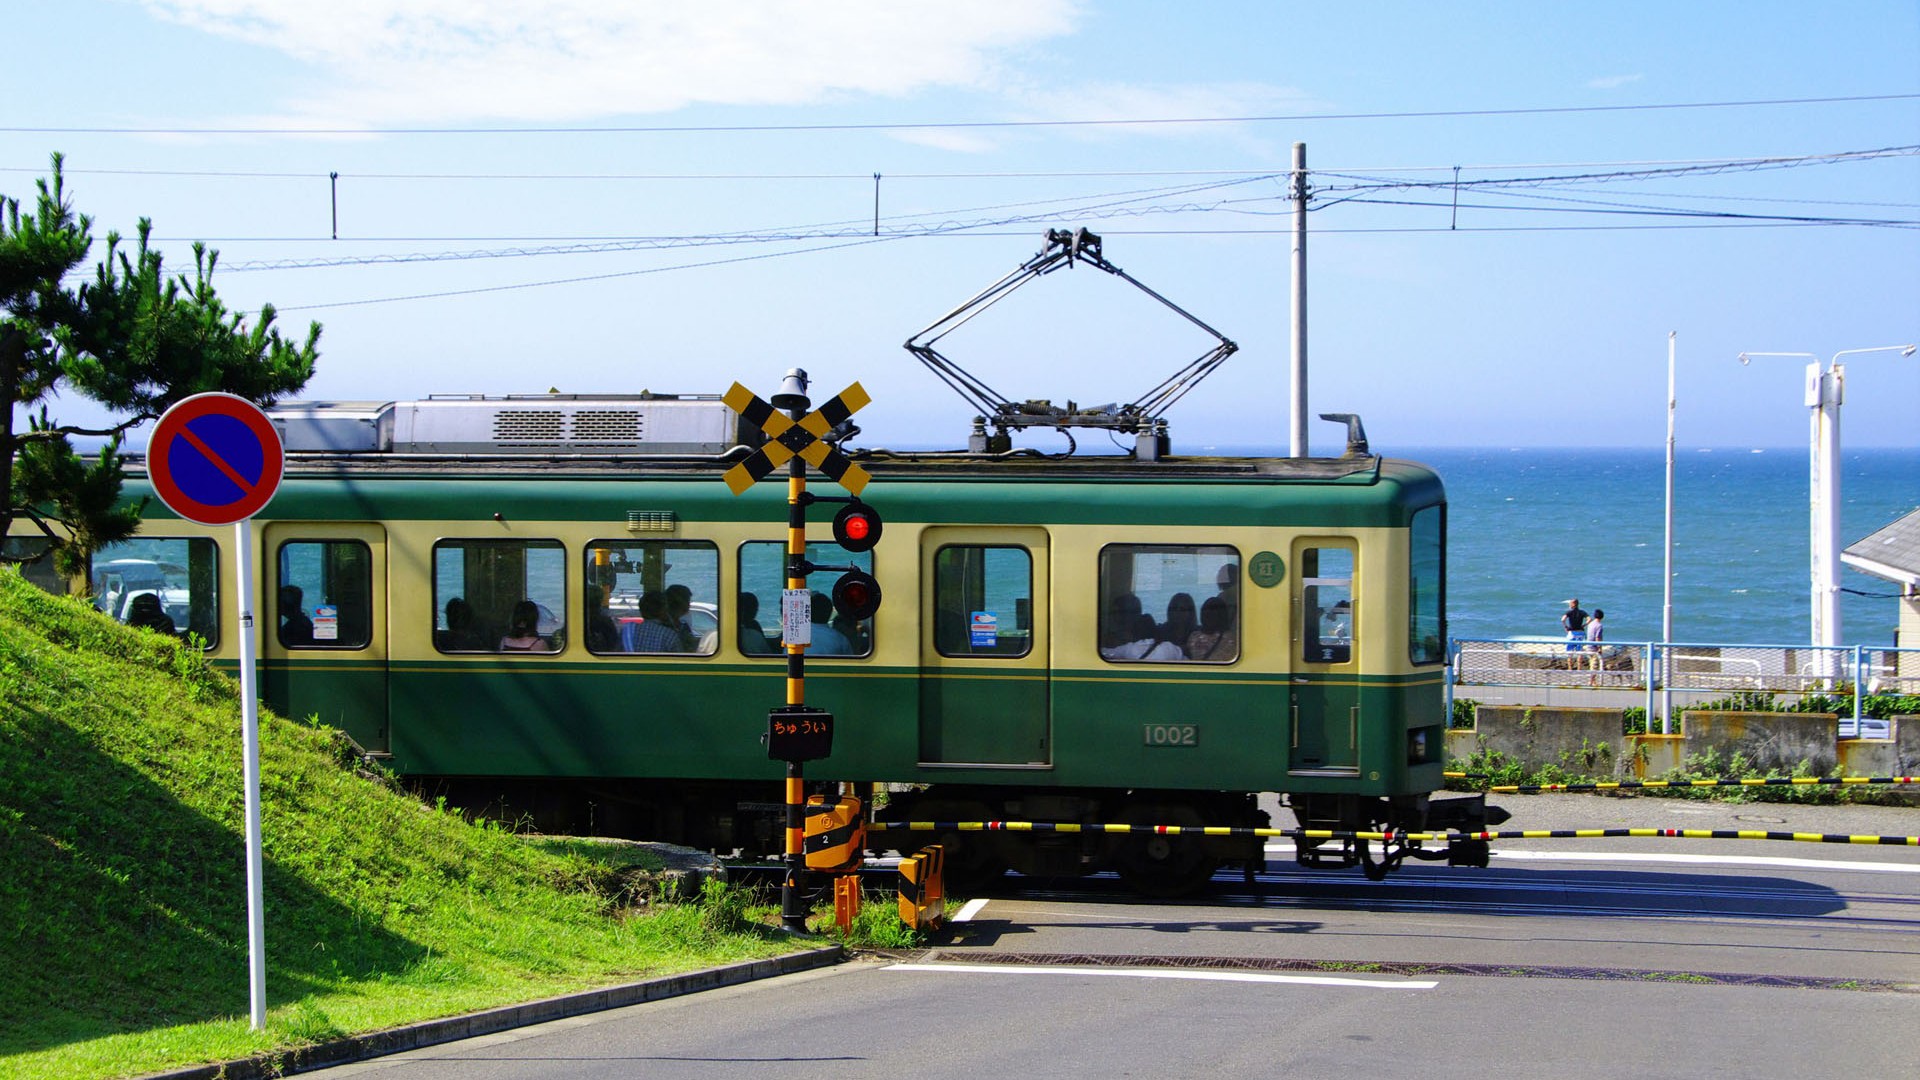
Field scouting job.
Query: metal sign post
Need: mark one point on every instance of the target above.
(796, 732)
(216, 459)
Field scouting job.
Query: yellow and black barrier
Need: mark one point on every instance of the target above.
(1390, 835)
(836, 836)
(923, 899)
(1633, 785)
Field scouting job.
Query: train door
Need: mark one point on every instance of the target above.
(323, 626)
(984, 655)
(1325, 718)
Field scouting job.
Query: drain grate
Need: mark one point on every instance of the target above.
(1425, 970)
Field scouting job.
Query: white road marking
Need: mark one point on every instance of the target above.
(971, 909)
(1689, 860)
(1145, 973)
(1706, 860)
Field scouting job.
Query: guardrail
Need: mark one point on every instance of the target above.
(1659, 669)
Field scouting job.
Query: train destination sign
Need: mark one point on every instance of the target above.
(215, 459)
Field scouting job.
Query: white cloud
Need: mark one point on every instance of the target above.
(954, 140)
(1162, 103)
(1612, 82)
(449, 61)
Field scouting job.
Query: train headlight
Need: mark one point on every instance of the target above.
(1417, 747)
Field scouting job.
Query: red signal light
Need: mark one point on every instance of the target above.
(856, 595)
(856, 527)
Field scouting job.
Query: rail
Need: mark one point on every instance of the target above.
(1693, 671)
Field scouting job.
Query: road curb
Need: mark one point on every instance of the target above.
(488, 1021)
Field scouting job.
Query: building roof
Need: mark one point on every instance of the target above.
(1892, 553)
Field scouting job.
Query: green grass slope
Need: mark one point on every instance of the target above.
(122, 873)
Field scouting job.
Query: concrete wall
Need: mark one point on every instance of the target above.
(1581, 740)
(1768, 740)
(1651, 757)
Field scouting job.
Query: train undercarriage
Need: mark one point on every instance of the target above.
(747, 818)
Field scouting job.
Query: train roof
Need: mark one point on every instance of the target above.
(423, 461)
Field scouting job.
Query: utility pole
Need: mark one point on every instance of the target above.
(1297, 442)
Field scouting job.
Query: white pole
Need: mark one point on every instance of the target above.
(1833, 396)
(1666, 606)
(1826, 389)
(250, 751)
(1297, 442)
(1816, 398)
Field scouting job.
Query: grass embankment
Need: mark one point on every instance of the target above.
(122, 873)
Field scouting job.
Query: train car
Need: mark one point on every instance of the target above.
(552, 609)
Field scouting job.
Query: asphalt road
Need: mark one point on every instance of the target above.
(1636, 958)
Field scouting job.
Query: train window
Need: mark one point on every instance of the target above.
(324, 597)
(169, 584)
(1426, 587)
(1326, 596)
(983, 601)
(41, 571)
(652, 596)
(499, 596)
(763, 575)
(1195, 586)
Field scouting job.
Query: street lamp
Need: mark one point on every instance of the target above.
(1825, 393)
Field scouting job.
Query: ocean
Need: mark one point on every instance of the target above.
(1531, 528)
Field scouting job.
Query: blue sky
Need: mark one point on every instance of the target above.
(1536, 316)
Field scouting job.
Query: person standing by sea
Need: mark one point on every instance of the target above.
(1575, 624)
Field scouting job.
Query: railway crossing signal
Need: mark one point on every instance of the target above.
(796, 732)
(804, 436)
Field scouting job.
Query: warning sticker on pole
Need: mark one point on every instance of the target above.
(796, 616)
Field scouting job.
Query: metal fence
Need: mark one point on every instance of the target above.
(1656, 670)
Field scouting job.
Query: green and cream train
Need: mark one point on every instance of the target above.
(551, 608)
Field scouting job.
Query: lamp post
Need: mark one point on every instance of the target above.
(1825, 393)
(1666, 595)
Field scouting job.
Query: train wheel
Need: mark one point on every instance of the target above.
(1163, 866)
(1376, 870)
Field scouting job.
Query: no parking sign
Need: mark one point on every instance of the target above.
(215, 459)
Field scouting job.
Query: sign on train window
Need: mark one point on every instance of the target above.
(323, 598)
(1426, 587)
(652, 596)
(503, 596)
(1326, 601)
(983, 601)
(1170, 603)
(763, 574)
(169, 584)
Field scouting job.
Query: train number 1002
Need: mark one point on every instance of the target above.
(1173, 734)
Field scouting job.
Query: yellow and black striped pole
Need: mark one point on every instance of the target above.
(793, 909)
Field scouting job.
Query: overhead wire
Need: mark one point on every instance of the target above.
(1360, 187)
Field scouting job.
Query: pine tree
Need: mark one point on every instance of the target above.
(133, 339)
